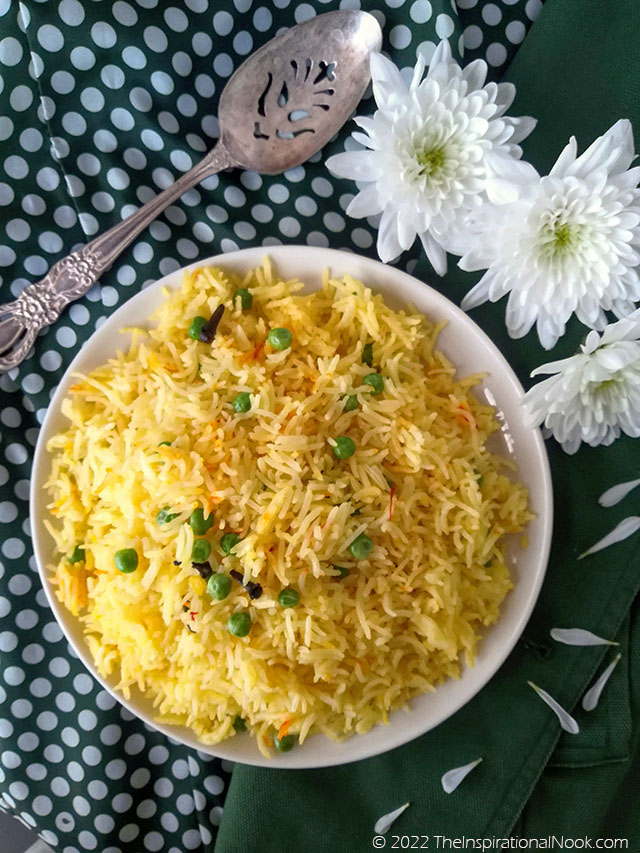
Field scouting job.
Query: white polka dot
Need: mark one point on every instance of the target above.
(13, 548)
(47, 721)
(466, 4)
(185, 804)
(103, 34)
(6, 197)
(421, 11)
(152, 140)
(10, 51)
(75, 771)
(33, 383)
(163, 787)
(82, 58)
(87, 840)
(81, 806)
(262, 19)
(496, 54)
(146, 809)
(74, 123)
(124, 14)
(160, 231)
(26, 620)
(50, 360)
(87, 720)
(444, 26)
(104, 823)
(158, 754)
(31, 139)
(155, 39)
(129, 832)
(168, 122)
(244, 230)
(222, 23)
(491, 14)
(82, 683)
(112, 76)
(37, 772)
(65, 702)
(214, 785)
(400, 37)
(66, 337)
(122, 802)
(115, 769)
(154, 841)
(42, 805)
(191, 839)
(181, 63)
(71, 12)
(533, 9)
(472, 37)
(515, 32)
(21, 708)
(14, 675)
(16, 167)
(134, 57)
(21, 98)
(223, 65)
(64, 822)
(18, 790)
(96, 788)
(162, 83)
(50, 38)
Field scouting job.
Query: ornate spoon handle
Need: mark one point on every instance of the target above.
(41, 304)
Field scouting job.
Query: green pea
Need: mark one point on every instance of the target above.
(284, 744)
(219, 586)
(280, 338)
(239, 724)
(126, 560)
(199, 524)
(239, 624)
(343, 572)
(361, 547)
(367, 355)
(375, 380)
(344, 447)
(241, 403)
(77, 555)
(228, 542)
(246, 299)
(164, 516)
(288, 597)
(479, 476)
(165, 444)
(351, 403)
(200, 551)
(196, 325)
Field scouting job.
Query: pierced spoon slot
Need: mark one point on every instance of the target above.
(291, 134)
(308, 65)
(327, 71)
(324, 107)
(283, 97)
(261, 99)
(296, 115)
(294, 65)
(324, 92)
(257, 132)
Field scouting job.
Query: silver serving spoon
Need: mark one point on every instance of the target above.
(280, 107)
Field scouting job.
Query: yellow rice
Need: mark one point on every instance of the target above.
(422, 484)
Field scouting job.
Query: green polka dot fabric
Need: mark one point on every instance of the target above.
(102, 105)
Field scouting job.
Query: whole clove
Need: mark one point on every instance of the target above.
(254, 589)
(208, 331)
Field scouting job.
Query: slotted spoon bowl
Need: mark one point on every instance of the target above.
(280, 107)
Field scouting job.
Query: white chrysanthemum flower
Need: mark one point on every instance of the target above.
(570, 243)
(436, 149)
(594, 395)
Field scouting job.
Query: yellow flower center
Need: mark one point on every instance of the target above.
(430, 160)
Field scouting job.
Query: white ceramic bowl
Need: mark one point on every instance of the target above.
(472, 352)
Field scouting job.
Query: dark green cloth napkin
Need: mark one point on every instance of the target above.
(577, 72)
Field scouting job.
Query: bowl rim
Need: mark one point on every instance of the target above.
(358, 746)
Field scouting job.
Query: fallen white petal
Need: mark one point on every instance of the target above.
(615, 494)
(578, 637)
(566, 720)
(592, 696)
(382, 824)
(626, 528)
(452, 778)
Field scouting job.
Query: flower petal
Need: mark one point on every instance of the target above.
(452, 778)
(615, 494)
(435, 253)
(366, 203)
(566, 720)
(578, 637)
(356, 165)
(592, 696)
(627, 527)
(383, 824)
